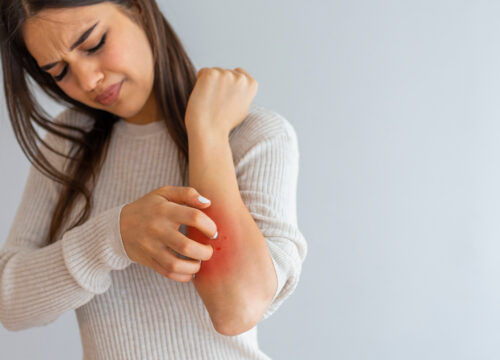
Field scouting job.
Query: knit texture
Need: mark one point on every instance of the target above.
(126, 310)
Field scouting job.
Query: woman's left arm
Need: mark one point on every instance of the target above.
(239, 281)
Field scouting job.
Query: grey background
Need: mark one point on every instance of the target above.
(395, 106)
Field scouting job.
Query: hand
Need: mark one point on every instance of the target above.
(220, 100)
(149, 230)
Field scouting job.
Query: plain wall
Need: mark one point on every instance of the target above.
(396, 108)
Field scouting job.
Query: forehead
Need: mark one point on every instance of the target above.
(51, 32)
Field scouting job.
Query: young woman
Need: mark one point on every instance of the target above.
(114, 221)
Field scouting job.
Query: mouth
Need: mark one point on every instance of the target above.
(109, 95)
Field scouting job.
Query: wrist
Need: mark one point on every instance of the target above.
(197, 130)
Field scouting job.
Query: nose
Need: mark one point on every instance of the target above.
(87, 74)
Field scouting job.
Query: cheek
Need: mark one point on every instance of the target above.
(129, 56)
(116, 60)
(139, 58)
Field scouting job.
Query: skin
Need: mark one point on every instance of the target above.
(239, 281)
(49, 35)
(235, 275)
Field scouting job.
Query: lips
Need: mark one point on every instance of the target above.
(110, 94)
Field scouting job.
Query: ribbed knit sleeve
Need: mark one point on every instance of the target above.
(267, 175)
(39, 282)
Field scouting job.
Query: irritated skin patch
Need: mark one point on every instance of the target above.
(225, 247)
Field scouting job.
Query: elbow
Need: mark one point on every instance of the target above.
(14, 326)
(21, 322)
(234, 326)
(4, 321)
(11, 328)
(231, 323)
(10, 325)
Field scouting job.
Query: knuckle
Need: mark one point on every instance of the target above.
(210, 72)
(191, 191)
(158, 210)
(155, 228)
(185, 248)
(159, 268)
(196, 216)
(169, 266)
(241, 77)
(147, 248)
(174, 266)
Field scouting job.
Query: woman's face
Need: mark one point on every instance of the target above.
(115, 51)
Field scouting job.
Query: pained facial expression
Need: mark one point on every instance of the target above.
(116, 50)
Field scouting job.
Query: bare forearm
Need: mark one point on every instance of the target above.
(239, 281)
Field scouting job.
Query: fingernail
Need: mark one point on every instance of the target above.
(203, 200)
(215, 236)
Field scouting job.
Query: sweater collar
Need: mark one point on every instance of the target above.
(124, 127)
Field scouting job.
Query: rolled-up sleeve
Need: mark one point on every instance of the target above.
(39, 281)
(267, 176)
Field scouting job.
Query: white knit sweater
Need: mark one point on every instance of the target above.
(126, 310)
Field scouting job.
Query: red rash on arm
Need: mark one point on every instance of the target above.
(224, 256)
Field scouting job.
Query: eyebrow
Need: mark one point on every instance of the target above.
(80, 40)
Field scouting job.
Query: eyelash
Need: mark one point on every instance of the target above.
(90, 51)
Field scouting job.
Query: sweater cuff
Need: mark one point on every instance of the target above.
(93, 249)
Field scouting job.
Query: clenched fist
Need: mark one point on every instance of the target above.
(220, 100)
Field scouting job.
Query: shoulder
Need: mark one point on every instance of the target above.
(261, 125)
(70, 122)
(55, 147)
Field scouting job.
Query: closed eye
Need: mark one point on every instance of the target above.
(90, 51)
(101, 43)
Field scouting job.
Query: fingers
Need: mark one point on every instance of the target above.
(183, 195)
(247, 74)
(241, 70)
(188, 247)
(195, 218)
(174, 264)
(236, 71)
(156, 266)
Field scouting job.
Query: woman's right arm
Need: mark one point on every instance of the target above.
(39, 282)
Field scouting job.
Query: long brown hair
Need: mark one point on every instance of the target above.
(174, 80)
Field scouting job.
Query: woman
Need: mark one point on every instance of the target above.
(123, 169)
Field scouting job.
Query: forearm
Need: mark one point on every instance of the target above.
(239, 281)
